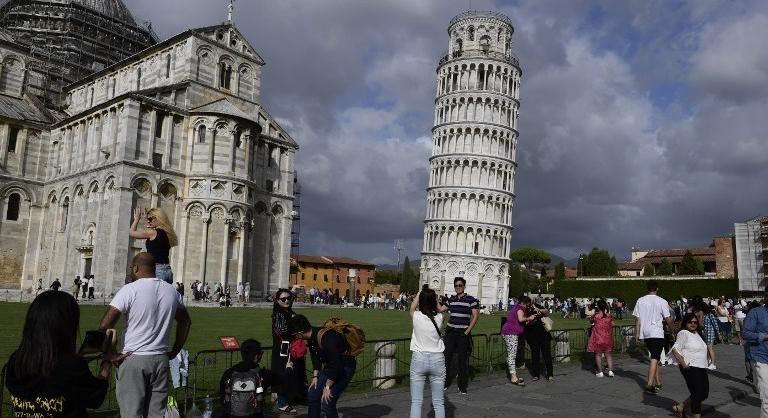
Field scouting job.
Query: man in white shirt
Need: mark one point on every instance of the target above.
(149, 306)
(651, 311)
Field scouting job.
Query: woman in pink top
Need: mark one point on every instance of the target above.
(601, 341)
(511, 331)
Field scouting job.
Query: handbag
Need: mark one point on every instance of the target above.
(298, 349)
(547, 322)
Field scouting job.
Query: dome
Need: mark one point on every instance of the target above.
(112, 8)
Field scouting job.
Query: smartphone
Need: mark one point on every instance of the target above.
(93, 342)
(285, 347)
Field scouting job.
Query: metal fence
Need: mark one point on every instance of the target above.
(383, 364)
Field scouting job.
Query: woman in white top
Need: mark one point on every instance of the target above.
(427, 348)
(690, 352)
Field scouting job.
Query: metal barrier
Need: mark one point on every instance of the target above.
(488, 357)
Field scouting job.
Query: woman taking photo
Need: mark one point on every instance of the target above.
(691, 354)
(427, 359)
(46, 369)
(601, 341)
(292, 381)
(538, 338)
(160, 239)
(511, 331)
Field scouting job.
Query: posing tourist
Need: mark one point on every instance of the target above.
(539, 339)
(427, 346)
(84, 286)
(149, 305)
(755, 334)
(333, 368)
(465, 312)
(282, 340)
(723, 317)
(242, 386)
(55, 285)
(46, 369)
(690, 352)
(160, 239)
(601, 340)
(91, 286)
(651, 311)
(511, 331)
(76, 287)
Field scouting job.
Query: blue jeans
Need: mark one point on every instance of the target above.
(423, 365)
(164, 272)
(314, 396)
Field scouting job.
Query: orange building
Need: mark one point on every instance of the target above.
(335, 274)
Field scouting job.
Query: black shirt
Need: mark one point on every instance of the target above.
(159, 247)
(66, 393)
(331, 356)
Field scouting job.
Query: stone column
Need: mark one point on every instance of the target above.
(113, 124)
(32, 250)
(5, 131)
(224, 276)
(232, 150)
(241, 251)
(211, 148)
(152, 128)
(21, 149)
(267, 252)
(179, 254)
(204, 252)
(248, 144)
(170, 133)
(480, 277)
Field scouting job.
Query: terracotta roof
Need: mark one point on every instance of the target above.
(680, 252)
(313, 259)
(637, 265)
(350, 261)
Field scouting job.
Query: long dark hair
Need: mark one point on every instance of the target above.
(275, 306)
(428, 301)
(688, 317)
(50, 334)
(602, 306)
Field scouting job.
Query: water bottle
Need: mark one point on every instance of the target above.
(208, 411)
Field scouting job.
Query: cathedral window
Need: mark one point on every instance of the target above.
(159, 125)
(168, 66)
(201, 134)
(225, 75)
(14, 203)
(138, 78)
(90, 103)
(238, 138)
(13, 137)
(471, 33)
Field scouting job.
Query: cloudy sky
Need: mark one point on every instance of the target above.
(643, 123)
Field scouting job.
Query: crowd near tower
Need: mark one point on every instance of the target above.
(470, 195)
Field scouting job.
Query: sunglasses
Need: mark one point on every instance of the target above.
(458, 285)
(285, 299)
(693, 322)
(151, 218)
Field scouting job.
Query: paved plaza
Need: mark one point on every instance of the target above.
(577, 392)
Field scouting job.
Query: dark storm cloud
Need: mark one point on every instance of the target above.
(642, 122)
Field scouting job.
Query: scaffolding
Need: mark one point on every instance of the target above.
(69, 40)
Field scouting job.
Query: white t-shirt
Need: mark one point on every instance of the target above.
(149, 306)
(692, 348)
(425, 338)
(651, 310)
(722, 314)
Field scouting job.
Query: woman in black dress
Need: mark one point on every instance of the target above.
(292, 370)
(538, 338)
(160, 238)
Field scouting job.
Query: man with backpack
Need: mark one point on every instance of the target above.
(241, 389)
(333, 349)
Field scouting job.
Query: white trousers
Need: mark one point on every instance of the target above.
(761, 379)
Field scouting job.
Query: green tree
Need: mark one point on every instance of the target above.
(649, 270)
(559, 278)
(530, 256)
(407, 282)
(515, 280)
(691, 266)
(665, 268)
(599, 263)
(385, 277)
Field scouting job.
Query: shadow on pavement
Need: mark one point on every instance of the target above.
(366, 411)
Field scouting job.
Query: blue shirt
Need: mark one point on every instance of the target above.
(754, 331)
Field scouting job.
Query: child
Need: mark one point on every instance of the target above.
(241, 389)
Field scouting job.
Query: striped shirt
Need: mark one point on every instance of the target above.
(461, 311)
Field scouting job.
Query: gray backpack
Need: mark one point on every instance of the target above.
(242, 392)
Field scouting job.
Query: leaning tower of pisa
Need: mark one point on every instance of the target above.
(470, 195)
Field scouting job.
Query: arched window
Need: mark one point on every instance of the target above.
(14, 203)
(201, 134)
(225, 75)
(471, 33)
(238, 138)
(459, 46)
(138, 78)
(168, 66)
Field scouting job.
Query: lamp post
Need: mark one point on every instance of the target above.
(352, 282)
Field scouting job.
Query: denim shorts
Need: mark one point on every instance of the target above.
(164, 272)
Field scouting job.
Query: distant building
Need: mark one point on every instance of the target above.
(752, 253)
(335, 274)
(718, 259)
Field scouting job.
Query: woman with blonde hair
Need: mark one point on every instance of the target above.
(160, 238)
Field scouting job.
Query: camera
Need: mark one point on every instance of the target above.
(93, 342)
(285, 347)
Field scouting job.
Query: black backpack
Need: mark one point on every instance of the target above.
(241, 391)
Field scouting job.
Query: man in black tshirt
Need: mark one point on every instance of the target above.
(332, 368)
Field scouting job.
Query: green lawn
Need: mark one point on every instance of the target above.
(210, 323)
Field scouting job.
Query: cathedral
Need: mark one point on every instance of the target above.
(98, 117)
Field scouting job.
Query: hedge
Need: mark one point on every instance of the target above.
(631, 289)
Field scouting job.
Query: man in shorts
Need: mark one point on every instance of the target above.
(651, 311)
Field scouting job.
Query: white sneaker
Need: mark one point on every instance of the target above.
(600, 375)
(712, 366)
(610, 373)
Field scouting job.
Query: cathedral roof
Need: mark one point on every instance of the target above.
(115, 9)
(224, 107)
(22, 109)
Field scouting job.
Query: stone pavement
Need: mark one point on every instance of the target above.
(576, 392)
